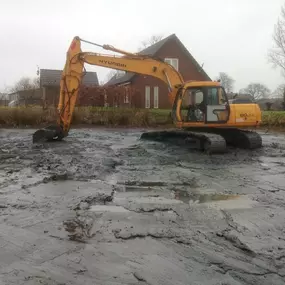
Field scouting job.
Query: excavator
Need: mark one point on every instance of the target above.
(201, 112)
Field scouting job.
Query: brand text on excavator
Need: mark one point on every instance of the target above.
(112, 63)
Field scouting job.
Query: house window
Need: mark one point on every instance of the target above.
(126, 97)
(155, 97)
(105, 99)
(147, 97)
(126, 101)
(173, 62)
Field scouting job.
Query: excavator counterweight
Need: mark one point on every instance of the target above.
(201, 111)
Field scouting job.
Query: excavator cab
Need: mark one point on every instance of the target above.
(209, 121)
(201, 105)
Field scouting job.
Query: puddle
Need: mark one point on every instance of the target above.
(140, 186)
(155, 200)
(113, 209)
(145, 183)
(137, 188)
(187, 197)
(148, 185)
(219, 201)
(242, 202)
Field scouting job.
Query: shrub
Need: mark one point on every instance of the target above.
(128, 117)
(101, 116)
(273, 118)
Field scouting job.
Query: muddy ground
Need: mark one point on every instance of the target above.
(177, 216)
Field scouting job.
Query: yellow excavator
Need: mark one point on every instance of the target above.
(201, 112)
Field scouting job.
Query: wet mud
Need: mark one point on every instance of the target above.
(103, 207)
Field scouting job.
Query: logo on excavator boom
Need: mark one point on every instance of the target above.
(246, 115)
(112, 63)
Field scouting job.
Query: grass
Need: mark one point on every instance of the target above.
(111, 117)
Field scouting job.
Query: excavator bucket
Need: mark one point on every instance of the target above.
(49, 133)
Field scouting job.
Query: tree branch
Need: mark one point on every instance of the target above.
(276, 55)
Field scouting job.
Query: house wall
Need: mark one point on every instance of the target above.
(4, 102)
(185, 66)
(93, 96)
(51, 95)
(140, 82)
(27, 97)
(277, 104)
(13, 96)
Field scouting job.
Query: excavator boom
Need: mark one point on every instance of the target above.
(73, 72)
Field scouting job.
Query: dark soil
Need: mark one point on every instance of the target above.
(103, 207)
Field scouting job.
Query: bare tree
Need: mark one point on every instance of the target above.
(279, 91)
(151, 41)
(256, 91)
(118, 73)
(283, 103)
(146, 43)
(2, 96)
(276, 54)
(268, 105)
(111, 74)
(26, 83)
(226, 81)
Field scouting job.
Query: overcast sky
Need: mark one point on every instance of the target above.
(232, 36)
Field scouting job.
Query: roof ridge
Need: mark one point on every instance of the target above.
(152, 50)
(193, 58)
(160, 42)
(60, 70)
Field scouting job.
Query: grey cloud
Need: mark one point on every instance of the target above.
(230, 36)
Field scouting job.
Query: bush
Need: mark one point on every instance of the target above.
(273, 119)
(127, 117)
(100, 116)
(20, 117)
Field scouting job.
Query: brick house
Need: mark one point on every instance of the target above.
(50, 84)
(90, 93)
(152, 92)
(51, 77)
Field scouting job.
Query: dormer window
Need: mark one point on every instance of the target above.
(172, 61)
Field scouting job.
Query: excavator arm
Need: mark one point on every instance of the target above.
(74, 70)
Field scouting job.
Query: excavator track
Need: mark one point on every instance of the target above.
(209, 140)
(241, 138)
(254, 139)
(212, 143)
